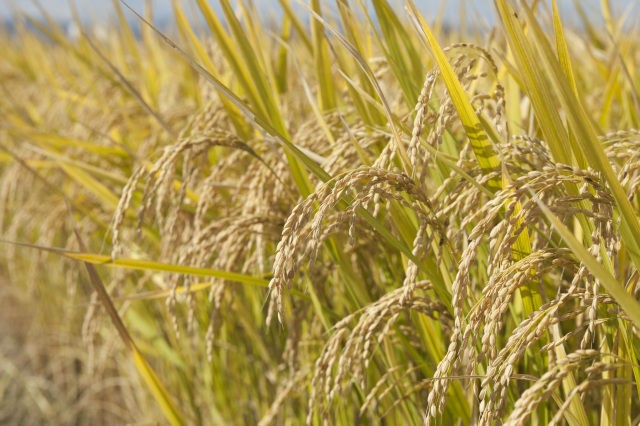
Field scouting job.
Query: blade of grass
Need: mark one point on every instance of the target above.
(565, 60)
(587, 138)
(252, 79)
(297, 24)
(326, 91)
(486, 155)
(155, 386)
(402, 153)
(244, 131)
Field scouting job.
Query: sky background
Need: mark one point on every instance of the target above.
(99, 10)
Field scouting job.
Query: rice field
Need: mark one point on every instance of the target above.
(355, 215)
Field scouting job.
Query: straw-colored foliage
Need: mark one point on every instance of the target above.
(347, 221)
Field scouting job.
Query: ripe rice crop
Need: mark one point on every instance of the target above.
(372, 218)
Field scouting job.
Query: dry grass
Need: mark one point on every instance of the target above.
(330, 250)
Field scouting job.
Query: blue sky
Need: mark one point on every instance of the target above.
(93, 10)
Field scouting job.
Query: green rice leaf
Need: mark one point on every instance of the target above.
(587, 139)
(486, 155)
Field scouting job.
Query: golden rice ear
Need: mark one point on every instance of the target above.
(439, 224)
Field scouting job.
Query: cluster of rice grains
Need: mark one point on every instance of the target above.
(350, 313)
(479, 235)
(459, 228)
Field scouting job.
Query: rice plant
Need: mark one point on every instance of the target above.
(356, 215)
